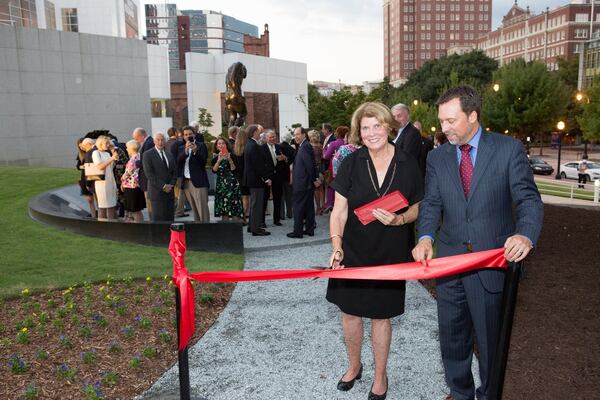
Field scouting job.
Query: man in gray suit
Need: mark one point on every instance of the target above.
(480, 193)
(161, 172)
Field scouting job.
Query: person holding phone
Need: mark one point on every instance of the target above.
(228, 196)
(195, 180)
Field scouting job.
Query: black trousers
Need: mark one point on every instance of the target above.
(257, 205)
(286, 202)
(163, 210)
(304, 211)
(582, 180)
(276, 190)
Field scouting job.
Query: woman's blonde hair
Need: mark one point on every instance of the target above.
(101, 139)
(135, 146)
(314, 136)
(376, 110)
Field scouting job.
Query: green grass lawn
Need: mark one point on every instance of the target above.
(564, 191)
(39, 257)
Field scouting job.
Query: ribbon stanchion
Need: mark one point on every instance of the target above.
(507, 313)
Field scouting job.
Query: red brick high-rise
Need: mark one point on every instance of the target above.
(415, 31)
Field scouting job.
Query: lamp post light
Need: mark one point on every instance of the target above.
(528, 141)
(560, 126)
(496, 87)
(415, 102)
(580, 97)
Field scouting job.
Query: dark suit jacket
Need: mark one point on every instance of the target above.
(502, 180)
(304, 170)
(256, 169)
(410, 141)
(175, 147)
(198, 174)
(159, 175)
(147, 145)
(281, 169)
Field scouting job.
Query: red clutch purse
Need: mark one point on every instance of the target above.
(390, 202)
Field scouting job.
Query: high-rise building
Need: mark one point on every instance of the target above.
(196, 31)
(416, 31)
(552, 34)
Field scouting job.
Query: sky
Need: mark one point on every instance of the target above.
(338, 40)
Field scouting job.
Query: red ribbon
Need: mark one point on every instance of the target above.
(406, 271)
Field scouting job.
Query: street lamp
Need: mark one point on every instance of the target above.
(415, 102)
(496, 87)
(560, 126)
(433, 130)
(528, 140)
(580, 97)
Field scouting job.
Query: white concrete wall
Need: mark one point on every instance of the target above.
(57, 86)
(158, 76)
(206, 81)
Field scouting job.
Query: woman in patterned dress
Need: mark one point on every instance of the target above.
(228, 196)
(134, 201)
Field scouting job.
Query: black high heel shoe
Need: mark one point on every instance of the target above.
(345, 386)
(373, 396)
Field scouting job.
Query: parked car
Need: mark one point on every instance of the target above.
(540, 166)
(569, 170)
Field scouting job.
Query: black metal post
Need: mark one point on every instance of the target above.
(559, 150)
(507, 313)
(184, 370)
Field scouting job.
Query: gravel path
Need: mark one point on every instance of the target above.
(282, 339)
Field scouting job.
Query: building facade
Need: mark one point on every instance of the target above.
(416, 31)
(591, 66)
(196, 31)
(273, 89)
(548, 36)
(99, 17)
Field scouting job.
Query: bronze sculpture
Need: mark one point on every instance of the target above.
(234, 100)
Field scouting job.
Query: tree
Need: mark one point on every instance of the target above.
(205, 121)
(530, 100)
(435, 76)
(589, 120)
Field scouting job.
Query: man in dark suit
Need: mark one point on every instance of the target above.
(289, 152)
(175, 147)
(161, 172)
(146, 143)
(192, 160)
(409, 137)
(277, 161)
(304, 180)
(257, 174)
(480, 193)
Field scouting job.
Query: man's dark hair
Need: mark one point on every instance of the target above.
(327, 126)
(250, 129)
(470, 100)
(187, 127)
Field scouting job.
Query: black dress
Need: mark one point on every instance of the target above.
(374, 243)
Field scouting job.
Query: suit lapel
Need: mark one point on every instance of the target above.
(484, 155)
(452, 164)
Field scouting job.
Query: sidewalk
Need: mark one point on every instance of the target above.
(283, 340)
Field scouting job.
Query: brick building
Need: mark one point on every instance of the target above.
(257, 46)
(552, 34)
(416, 31)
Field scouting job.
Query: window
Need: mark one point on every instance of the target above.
(581, 17)
(50, 15)
(69, 20)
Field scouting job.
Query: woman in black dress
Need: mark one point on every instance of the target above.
(374, 170)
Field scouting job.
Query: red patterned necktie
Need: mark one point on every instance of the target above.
(466, 167)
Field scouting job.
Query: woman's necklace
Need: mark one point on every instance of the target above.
(373, 181)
